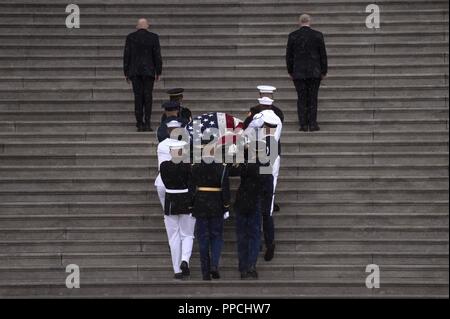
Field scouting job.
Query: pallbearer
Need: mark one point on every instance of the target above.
(268, 92)
(176, 95)
(180, 225)
(252, 197)
(210, 205)
(171, 113)
(163, 153)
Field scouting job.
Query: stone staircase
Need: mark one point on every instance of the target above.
(76, 180)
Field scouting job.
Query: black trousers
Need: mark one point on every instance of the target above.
(143, 99)
(308, 95)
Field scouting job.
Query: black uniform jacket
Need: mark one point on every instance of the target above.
(210, 204)
(162, 132)
(306, 55)
(142, 54)
(184, 113)
(177, 177)
(258, 109)
(255, 189)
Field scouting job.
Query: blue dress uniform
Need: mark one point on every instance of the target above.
(251, 199)
(176, 95)
(211, 201)
(162, 132)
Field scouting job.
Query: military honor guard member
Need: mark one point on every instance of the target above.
(176, 95)
(271, 126)
(252, 196)
(142, 66)
(171, 113)
(264, 91)
(180, 225)
(210, 206)
(163, 153)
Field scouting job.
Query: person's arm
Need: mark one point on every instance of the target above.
(323, 56)
(157, 59)
(290, 55)
(126, 58)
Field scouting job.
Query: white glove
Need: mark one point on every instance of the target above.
(226, 215)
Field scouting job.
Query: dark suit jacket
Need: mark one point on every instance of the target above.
(306, 55)
(142, 54)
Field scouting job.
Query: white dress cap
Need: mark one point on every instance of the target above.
(173, 124)
(266, 89)
(265, 101)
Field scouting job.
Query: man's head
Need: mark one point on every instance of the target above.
(305, 20)
(142, 24)
(266, 91)
(176, 95)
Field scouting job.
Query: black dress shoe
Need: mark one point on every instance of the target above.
(185, 269)
(303, 129)
(215, 273)
(206, 277)
(276, 207)
(148, 129)
(178, 276)
(252, 273)
(270, 252)
(244, 275)
(314, 128)
(140, 129)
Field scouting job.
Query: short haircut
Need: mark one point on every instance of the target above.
(305, 18)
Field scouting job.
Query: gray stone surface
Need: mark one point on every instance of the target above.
(76, 180)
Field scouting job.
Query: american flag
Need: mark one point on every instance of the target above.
(222, 123)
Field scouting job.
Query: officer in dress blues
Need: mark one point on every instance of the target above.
(210, 206)
(253, 196)
(271, 127)
(171, 113)
(178, 220)
(176, 95)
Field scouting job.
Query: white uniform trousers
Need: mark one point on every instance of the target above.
(275, 173)
(180, 232)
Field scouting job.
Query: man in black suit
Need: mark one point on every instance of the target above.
(142, 65)
(306, 59)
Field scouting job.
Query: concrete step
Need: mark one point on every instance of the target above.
(350, 158)
(327, 91)
(167, 28)
(282, 220)
(228, 258)
(299, 194)
(282, 7)
(437, 43)
(149, 148)
(291, 233)
(228, 104)
(222, 289)
(52, 15)
(195, 71)
(233, 82)
(266, 272)
(290, 113)
(369, 58)
(306, 245)
(143, 183)
(150, 171)
(288, 136)
(196, 36)
(307, 206)
(130, 125)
